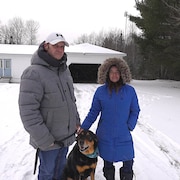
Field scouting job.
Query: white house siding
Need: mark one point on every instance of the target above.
(89, 58)
(20, 56)
(19, 64)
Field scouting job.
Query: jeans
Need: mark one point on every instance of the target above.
(52, 163)
(127, 165)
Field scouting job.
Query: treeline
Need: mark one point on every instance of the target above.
(159, 42)
(154, 53)
(115, 39)
(18, 31)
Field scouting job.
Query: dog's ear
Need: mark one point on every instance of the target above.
(80, 134)
(93, 135)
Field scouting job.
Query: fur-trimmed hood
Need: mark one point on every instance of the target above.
(120, 64)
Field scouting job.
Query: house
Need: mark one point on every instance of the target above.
(81, 58)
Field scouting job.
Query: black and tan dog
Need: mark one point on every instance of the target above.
(82, 160)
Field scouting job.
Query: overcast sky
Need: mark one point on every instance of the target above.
(72, 18)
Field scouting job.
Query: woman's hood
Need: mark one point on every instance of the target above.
(120, 64)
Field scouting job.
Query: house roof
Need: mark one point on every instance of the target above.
(17, 49)
(84, 48)
(87, 48)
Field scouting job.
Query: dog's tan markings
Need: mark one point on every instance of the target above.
(69, 179)
(90, 150)
(93, 165)
(92, 176)
(81, 169)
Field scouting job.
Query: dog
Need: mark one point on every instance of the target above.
(82, 160)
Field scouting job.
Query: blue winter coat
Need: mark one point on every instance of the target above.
(118, 116)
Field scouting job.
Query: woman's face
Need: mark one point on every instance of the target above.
(114, 74)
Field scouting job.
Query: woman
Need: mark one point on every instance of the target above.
(117, 104)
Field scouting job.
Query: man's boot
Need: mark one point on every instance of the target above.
(125, 175)
(109, 173)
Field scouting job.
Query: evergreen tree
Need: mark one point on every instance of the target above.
(159, 41)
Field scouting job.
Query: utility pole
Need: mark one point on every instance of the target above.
(125, 30)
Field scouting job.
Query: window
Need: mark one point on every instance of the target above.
(7, 63)
(5, 67)
(1, 65)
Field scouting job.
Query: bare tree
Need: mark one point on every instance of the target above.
(31, 31)
(112, 39)
(92, 38)
(82, 39)
(0, 34)
(17, 30)
(5, 34)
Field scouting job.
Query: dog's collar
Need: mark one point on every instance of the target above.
(95, 154)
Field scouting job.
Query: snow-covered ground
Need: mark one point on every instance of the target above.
(156, 136)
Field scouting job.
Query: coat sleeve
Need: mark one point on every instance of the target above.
(93, 112)
(134, 111)
(78, 123)
(31, 93)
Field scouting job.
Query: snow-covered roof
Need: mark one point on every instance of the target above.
(84, 48)
(87, 48)
(17, 49)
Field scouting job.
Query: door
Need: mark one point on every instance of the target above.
(1, 68)
(5, 67)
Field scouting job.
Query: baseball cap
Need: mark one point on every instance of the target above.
(54, 38)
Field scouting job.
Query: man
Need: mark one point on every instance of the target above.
(47, 106)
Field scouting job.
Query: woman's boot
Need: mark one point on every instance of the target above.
(109, 173)
(125, 175)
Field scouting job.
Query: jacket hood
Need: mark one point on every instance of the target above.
(120, 64)
(41, 57)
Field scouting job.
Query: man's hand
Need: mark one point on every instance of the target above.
(79, 130)
(51, 145)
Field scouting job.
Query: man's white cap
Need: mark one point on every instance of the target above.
(54, 38)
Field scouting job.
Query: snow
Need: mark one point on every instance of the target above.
(156, 136)
(84, 48)
(17, 49)
(87, 48)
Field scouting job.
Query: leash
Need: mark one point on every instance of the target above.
(60, 143)
(36, 160)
